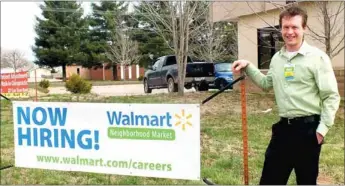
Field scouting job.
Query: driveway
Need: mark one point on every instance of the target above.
(116, 90)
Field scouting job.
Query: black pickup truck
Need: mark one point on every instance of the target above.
(164, 74)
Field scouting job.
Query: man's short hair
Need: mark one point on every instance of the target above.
(294, 11)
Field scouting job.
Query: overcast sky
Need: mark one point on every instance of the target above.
(17, 25)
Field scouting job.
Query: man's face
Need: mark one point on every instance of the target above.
(292, 31)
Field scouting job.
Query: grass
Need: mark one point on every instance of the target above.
(221, 143)
(94, 83)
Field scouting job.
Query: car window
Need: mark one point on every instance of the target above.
(189, 60)
(157, 64)
(223, 67)
(171, 60)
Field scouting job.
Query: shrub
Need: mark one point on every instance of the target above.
(43, 90)
(44, 83)
(78, 85)
(140, 78)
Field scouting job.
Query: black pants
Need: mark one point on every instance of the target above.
(293, 145)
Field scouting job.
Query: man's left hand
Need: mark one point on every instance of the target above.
(319, 138)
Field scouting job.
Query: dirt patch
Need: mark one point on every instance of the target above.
(324, 180)
(32, 92)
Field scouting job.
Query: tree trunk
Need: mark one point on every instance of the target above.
(181, 52)
(114, 71)
(327, 27)
(64, 72)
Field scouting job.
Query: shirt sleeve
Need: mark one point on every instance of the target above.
(329, 94)
(261, 80)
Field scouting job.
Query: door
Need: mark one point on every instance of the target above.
(155, 75)
(167, 65)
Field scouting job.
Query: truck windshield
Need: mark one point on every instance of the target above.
(223, 67)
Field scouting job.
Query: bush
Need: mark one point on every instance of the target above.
(78, 85)
(44, 83)
(140, 78)
(43, 90)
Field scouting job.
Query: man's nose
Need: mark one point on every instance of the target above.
(289, 30)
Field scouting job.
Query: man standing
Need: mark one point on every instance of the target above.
(307, 96)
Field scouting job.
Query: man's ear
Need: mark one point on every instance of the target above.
(305, 28)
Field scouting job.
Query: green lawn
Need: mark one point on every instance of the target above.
(94, 83)
(221, 143)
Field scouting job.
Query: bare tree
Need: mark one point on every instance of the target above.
(174, 23)
(332, 33)
(14, 59)
(215, 41)
(122, 50)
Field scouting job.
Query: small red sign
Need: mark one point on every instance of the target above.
(14, 84)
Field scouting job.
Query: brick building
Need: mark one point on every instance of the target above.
(132, 72)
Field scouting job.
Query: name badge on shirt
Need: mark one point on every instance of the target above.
(289, 71)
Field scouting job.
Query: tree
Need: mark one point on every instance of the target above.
(332, 33)
(174, 21)
(14, 59)
(103, 23)
(122, 49)
(60, 34)
(151, 44)
(215, 41)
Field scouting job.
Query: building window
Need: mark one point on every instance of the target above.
(270, 41)
(288, 2)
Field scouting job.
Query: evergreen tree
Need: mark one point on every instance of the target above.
(103, 22)
(150, 43)
(60, 35)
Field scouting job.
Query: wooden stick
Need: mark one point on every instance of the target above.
(244, 131)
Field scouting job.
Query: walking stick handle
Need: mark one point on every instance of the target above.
(223, 89)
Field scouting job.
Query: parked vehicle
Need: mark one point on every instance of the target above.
(223, 75)
(164, 74)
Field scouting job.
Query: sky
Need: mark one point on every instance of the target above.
(17, 25)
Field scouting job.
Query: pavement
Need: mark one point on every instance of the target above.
(116, 90)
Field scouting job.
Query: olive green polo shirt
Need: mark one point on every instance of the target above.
(311, 87)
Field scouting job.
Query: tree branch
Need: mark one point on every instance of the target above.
(335, 53)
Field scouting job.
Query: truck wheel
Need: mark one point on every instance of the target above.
(188, 86)
(201, 87)
(172, 87)
(222, 84)
(146, 87)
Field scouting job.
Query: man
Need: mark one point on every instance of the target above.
(307, 97)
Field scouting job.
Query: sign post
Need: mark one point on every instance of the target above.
(244, 131)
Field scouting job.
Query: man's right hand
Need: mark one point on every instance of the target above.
(238, 65)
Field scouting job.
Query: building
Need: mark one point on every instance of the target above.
(132, 72)
(258, 29)
(258, 24)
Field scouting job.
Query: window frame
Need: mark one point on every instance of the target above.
(274, 36)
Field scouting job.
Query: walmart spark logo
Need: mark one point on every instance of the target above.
(183, 120)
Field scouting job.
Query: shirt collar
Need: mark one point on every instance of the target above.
(304, 49)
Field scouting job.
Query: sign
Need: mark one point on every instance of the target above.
(14, 84)
(151, 140)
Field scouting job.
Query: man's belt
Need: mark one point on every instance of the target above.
(304, 119)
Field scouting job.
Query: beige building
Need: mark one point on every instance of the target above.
(258, 36)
